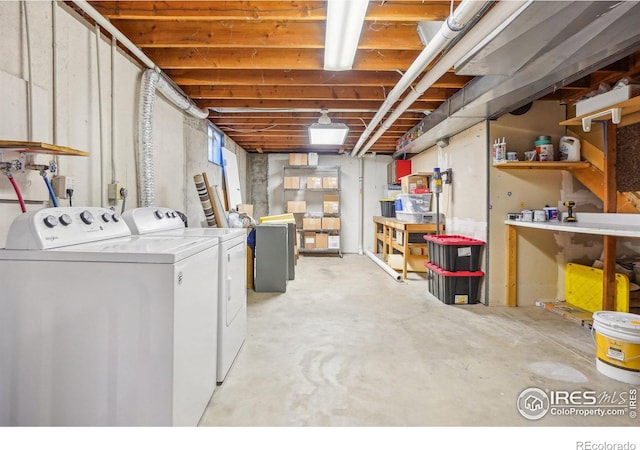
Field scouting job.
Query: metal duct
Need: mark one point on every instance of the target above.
(145, 138)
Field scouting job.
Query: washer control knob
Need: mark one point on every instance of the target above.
(116, 217)
(65, 219)
(86, 217)
(50, 221)
(158, 214)
(105, 217)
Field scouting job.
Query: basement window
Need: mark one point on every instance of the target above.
(215, 142)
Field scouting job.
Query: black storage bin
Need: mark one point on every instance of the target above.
(388, 207)
(454, 253)
(454, 288)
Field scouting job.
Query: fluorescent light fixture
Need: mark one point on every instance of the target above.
(326, 133)
(344, 25)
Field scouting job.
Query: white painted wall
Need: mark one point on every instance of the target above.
(374, 182)
(66, 111)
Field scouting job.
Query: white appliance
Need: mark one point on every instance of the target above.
(98, 327)
(232, 273)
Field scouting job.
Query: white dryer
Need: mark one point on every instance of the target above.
(98, 327)
(232, 273)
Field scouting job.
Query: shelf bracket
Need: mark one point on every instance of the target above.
(615, 117)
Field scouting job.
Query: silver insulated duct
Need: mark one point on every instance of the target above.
(144, 160)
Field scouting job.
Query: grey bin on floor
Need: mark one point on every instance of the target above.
(272, 258)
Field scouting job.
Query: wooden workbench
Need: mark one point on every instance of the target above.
(383, 234)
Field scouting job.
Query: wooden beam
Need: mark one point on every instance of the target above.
(305, 93)
(610, 205)
(278, 34)
(306, 104)
(272, 58)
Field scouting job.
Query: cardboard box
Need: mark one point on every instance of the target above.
(312, 223)
(331, 223)
(309, 240)
(292, 182)
(334, 242)
(314, 182)
(312, 159)
(330, 182)
(244, 208)
(322, 240)
(331, 204)
(419, 180)
(298, 159)
(296, 206)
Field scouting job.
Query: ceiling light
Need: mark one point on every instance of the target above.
(344, 25)
(326, 133)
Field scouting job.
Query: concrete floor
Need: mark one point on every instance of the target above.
(346, 345)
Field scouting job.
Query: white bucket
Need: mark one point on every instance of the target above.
(617, 338)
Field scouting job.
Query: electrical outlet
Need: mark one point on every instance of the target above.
(60, 184)
(114, 191)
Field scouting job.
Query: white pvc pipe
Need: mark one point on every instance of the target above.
(450, 28)
(493, 22)
(395, 275)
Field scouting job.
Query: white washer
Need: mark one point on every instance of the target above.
(232, 273)
(98, 327)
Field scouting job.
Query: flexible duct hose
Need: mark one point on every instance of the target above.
(145, 147)
(23, 207)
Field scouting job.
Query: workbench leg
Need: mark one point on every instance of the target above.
(385, 243)
(609, 274)
(512, 265)
(405, 253)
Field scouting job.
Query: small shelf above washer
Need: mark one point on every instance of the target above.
(39, 147)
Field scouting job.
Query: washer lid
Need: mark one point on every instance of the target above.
(223, 234)
(134, 249)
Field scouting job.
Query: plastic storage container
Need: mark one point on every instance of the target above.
(410, 217)
(388, 208)
(454, 288)
(415, 203)
(453, 252)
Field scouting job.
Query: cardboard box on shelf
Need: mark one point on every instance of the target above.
(330, 182)
(331, 223)
(312, 159)
(245, 208)
(309, 240)
(334, 242)
(311, 223)
(298, 159)
(418, 180)
(296, 206)
(292, 182)
(322, 240)
(314, 182)
(331, 204)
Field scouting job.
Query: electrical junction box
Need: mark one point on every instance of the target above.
(60, 184)
(114, 191)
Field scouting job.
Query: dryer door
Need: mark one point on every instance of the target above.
(236, 279)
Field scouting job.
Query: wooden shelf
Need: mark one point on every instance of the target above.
(39, 147)
(543, 165)
(630, 113)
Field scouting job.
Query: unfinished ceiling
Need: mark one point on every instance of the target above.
(258, 66)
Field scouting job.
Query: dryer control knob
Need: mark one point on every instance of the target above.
(50, 221)
(86, 217)
(116, 217)
(158, 214)
(65, 219)
(105, 217)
